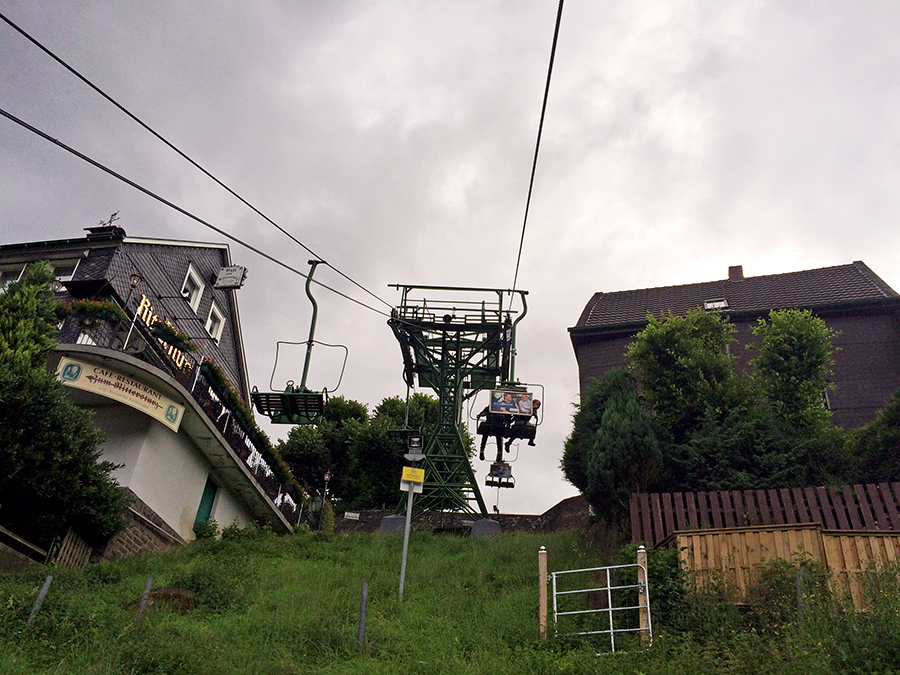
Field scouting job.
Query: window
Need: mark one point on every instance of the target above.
(715, 305)
(10, 273)
(215, 323)
(64, 270)
(192, 288)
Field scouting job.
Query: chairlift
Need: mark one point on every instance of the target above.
(296, 404)
(511, 414)
(500, 476)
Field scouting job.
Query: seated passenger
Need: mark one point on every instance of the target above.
(524, 426)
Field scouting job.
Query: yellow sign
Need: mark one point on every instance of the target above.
(122, 388)
(413, 474)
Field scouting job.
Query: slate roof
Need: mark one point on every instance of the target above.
(811, 289)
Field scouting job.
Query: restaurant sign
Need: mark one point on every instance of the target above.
(109, 383)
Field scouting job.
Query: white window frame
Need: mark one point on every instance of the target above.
(193, 275)
(715, 305)
(56, 264)
(11, 268)
(215, 331)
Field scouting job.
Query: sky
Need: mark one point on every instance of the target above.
(396, 140)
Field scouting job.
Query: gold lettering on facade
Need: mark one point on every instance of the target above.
(145, 311)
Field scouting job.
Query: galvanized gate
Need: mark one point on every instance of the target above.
(619, 607)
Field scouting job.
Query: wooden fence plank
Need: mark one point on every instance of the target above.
(852, 508)
(668, 514)
(703, 509)
(752, 511)
(740, 509)
(727, 508)
(865, 507)
(765, 509)
(826, 510)
(715, 508)
(790, 510)
(658, 533)
(775, 504)
(800, 506)
(647, 531)
(840, 510)
(890, 504)
(877, 506)
(680, 517)
(692, 510)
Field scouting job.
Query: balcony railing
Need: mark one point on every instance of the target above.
(135, 339)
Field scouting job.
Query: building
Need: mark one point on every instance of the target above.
(851, 299)
(174, 419)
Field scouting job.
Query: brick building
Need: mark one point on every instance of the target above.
(851, 299)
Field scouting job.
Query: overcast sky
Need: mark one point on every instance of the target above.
(396, 139)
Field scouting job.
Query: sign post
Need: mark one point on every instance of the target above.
(412, 481)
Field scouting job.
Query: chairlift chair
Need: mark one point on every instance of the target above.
(296, 404)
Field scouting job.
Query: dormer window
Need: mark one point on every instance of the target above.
(192, 288)
(215, 322)
(715, 305)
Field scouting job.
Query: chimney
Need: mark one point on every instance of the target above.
(736, 273)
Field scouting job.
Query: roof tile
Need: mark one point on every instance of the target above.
(808, 289)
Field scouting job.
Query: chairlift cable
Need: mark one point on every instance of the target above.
(537, 146)
(180, 210)
(183, 155)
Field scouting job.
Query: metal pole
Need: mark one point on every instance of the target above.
(40, 600)
(361, 633)
(542, 592)
(409, 507)
(312, 325)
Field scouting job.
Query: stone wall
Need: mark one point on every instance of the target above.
(145, 532)
(569, 514)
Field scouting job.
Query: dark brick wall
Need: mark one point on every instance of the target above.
(866, 361)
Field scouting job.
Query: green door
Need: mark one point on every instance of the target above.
(206, 502)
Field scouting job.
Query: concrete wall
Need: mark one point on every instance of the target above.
(164, 469)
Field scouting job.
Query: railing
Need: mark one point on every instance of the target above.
(137, 341)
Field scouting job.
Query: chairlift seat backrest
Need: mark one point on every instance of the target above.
(290, 407)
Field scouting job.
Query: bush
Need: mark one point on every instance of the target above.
(207, 530)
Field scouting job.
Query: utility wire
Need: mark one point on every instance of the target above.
(537, 146)
(182, 211)
(183, 155)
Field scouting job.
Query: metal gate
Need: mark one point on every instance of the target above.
(619, 607)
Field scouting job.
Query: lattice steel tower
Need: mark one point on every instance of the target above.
(458, 342)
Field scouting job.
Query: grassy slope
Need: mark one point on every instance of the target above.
(291, 605)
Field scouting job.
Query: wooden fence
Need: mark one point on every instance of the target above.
(733, 554)
(859, 508)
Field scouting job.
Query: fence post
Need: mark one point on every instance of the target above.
(142, 605)
(361, 631)
(643, 594)
(40, 600)
(542, 592)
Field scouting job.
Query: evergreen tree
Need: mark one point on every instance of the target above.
(614, 448)
(50, 474)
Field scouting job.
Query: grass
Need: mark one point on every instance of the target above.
(282, 605)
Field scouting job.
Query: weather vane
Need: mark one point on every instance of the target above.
(113, 218)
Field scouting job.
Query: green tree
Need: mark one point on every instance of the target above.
(792, 367)
(614, 448)
(50, 474)
(877, 445)
(684, 366)
(28, 318)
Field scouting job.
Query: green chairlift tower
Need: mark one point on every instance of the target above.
(457, 342)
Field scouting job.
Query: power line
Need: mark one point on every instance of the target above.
(180, 210)
(183, 155)
(537, 146)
